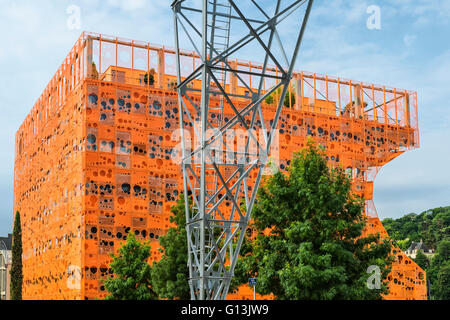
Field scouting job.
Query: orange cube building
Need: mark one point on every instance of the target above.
(94, 158)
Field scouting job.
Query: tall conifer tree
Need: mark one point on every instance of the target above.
(16, 268)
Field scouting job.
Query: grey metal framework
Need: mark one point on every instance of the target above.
(213, 170)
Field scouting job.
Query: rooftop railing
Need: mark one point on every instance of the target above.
(114, 59)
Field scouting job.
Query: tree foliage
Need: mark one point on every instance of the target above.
(149, 77)
(422, 260)
(94, 74)
(309, 242)
(16, 267)
(438, 272)
(404, 244)
(132, 273)
(431, 226)
(170, 274)
(441, 287)
(289, 98)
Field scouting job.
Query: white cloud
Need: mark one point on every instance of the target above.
(23, 14)
(424, 12)
(409, 39)
(128, 4)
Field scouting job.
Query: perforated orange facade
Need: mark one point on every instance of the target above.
(94, 158)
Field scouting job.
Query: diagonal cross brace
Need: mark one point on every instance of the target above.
(214, 236)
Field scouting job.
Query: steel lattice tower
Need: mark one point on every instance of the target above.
(215, 238)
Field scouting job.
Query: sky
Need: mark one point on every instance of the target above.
(408, 49)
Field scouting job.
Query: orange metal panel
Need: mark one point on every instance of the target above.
(96, 162)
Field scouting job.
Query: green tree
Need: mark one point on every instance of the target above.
(432, 226)
(16, 267)
(309, 241)
(441, 288)
(437, 272)
(404, 244)
(132, 274)
(94, 71)
(289, 98)
(149, 77)
(422, 260)
(170, 274)
(440, 226)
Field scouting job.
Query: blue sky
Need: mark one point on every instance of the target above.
(411, 50)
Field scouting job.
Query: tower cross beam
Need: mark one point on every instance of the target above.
(214, 174)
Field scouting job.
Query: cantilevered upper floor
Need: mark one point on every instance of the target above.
(114, 59)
